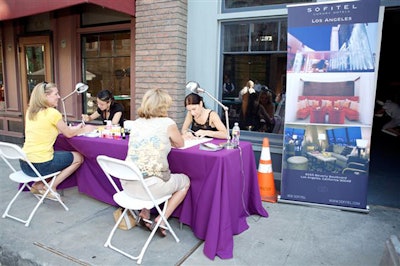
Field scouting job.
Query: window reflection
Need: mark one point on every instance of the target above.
(255, 50)
(259, 3)
(264, 36)
(236, 38)
(106, 60)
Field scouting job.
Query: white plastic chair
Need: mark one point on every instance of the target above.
(8, 152)
(128, 171)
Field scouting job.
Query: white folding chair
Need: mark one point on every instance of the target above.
(9, 152)
(128, 171)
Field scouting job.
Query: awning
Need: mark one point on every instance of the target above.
(11, 9)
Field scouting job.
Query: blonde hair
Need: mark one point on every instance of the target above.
(250, 84)
(155, 103)
(38, 100)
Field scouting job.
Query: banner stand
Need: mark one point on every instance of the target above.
(365, 211)
(333, 56)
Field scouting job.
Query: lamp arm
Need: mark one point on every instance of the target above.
(63, 104)
(63, 99)
(228, 137)
(64, 111)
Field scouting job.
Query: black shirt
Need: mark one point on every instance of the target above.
(114, 108)
(206, 126)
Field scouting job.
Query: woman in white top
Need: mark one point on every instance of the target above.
(150, 141)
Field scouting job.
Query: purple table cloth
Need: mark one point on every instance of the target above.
(224, 187)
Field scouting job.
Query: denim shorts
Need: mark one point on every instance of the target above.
(61, 160)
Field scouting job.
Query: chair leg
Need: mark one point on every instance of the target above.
(162, 215)
(166, 223)
(111, 235)
(27, 221)
(49, 189)
(139, 258)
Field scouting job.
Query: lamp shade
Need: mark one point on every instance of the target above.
(194, 87)
(81, 87)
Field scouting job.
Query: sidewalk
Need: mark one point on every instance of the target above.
(291, 235)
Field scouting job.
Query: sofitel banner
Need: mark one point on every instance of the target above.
(332, 64)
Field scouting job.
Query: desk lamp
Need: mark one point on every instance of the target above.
(79, 88)
(194, 87)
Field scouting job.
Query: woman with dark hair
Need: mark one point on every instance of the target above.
(107, 109)
(200, 121)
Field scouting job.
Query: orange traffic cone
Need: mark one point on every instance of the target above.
(266, 175)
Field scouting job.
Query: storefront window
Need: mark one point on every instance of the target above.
(106, 64)
(233, 5)
(257, 51)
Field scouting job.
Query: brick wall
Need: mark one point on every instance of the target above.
(160, 61)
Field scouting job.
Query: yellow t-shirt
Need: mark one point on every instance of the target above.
(40, 135)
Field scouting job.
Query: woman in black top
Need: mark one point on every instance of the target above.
(107, 109)
(200, 120)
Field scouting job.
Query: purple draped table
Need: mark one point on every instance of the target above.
(224, 187)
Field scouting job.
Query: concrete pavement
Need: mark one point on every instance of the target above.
(291, 235)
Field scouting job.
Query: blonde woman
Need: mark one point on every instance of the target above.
(244, 95)
(151, 138)
(248, 88)
(43, 123)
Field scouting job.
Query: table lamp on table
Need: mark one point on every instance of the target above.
(79, 88)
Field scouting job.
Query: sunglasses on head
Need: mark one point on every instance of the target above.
(44, 85)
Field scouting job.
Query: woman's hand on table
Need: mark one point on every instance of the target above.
(85, 118)
(86, 128)
(201, 133)
(190, 134)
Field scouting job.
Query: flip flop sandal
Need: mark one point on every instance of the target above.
(50, 195)
(161, 230)
(144, 222)
(35, 191)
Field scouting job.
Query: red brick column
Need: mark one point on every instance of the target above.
(160, 47)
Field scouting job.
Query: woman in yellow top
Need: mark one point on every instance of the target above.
(43, 123)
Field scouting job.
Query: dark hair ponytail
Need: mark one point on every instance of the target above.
(105, 96)
(193, 98)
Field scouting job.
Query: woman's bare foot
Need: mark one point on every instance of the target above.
(161, 230)
(145, 218)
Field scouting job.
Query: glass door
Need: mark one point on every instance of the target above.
(36, 64)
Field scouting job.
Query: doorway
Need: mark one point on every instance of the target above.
(384, 179)
(36, 66)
